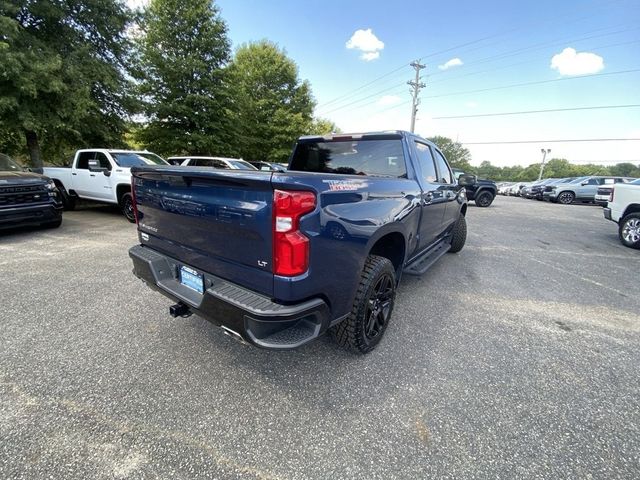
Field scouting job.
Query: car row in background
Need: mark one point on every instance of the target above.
(225, 163)
(592, 189)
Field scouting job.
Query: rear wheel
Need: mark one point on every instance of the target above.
(362, 330)
(629, 230)
(566, 198)
(458, 235)
(484, 199)
(126, 204)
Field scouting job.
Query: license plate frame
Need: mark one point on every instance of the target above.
(192, 279)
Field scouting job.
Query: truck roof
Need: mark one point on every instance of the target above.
(358, 135)
(184, 157)
(112, 150)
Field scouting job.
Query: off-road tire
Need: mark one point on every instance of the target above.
(631, 221)
(566, 198)
(351, 333)
(458, 234)
(68, 201)
(126, 205)
(484, 198)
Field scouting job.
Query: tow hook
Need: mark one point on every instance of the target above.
(179, 310)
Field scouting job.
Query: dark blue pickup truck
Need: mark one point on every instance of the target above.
(279, 258)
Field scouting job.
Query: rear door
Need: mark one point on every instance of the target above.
(433, 201)
(215, 221)
(589, 189)
(82, 177)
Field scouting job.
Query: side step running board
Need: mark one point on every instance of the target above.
(424, 262)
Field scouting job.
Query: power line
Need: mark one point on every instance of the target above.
(538, 82)
(525, 112)
(554, 141)
(479, 40)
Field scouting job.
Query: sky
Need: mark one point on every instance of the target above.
(572, 54)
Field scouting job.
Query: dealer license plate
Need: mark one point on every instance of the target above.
(192, 279)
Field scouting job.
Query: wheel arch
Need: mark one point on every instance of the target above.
(631, 208)
(391, 245)
(121, 189)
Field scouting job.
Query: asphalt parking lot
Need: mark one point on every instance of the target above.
(517, 358)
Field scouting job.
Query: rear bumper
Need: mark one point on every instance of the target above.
(257, 319)
(19, 216)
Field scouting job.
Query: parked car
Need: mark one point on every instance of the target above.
(584, 191)
(549, 189)
(221, 163)
(604, 191)
(482, 192)
(535, 189)
(624, 209)
(101, 175)
(27, 198)
(515, 189)
(504, 187)
(269, 166)
(259, 257)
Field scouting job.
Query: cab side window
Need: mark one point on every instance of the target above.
(426, 162)
(594, 181)
(83, 159)
(444, 172)
(104, 161)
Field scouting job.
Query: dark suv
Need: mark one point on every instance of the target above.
(482, 191)
(27, 198)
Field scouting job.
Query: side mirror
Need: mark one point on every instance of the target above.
(466, 180)
(27, 169)
(94, 166)
(584, 183)
(107, 173)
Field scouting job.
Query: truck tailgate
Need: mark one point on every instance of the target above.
(217, 221)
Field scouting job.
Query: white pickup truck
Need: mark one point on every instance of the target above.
(101, 175)
(624, 209)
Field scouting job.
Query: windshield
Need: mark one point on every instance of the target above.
(8, 165)
(578, 180)
(351, 157)
(635, 182)
(129, 159)
(157, 159)
(241, 165)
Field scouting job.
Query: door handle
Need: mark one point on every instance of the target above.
(91, 175)
(427, 198)
(73, 173)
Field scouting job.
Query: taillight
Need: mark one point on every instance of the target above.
(611, 194)
(133, 198)
(290, 246)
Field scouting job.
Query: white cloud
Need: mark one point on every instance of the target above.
(368, 56)
(388, 100)
(570, 62)
(367, 43)
(471, 104)
(454, 62)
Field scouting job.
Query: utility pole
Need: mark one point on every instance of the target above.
(544, 157)
(417, 85)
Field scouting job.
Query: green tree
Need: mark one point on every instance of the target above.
(63, 73)
(273, 106)
(323, 126)
(457, 155)
(183, 51)
(625, 170)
